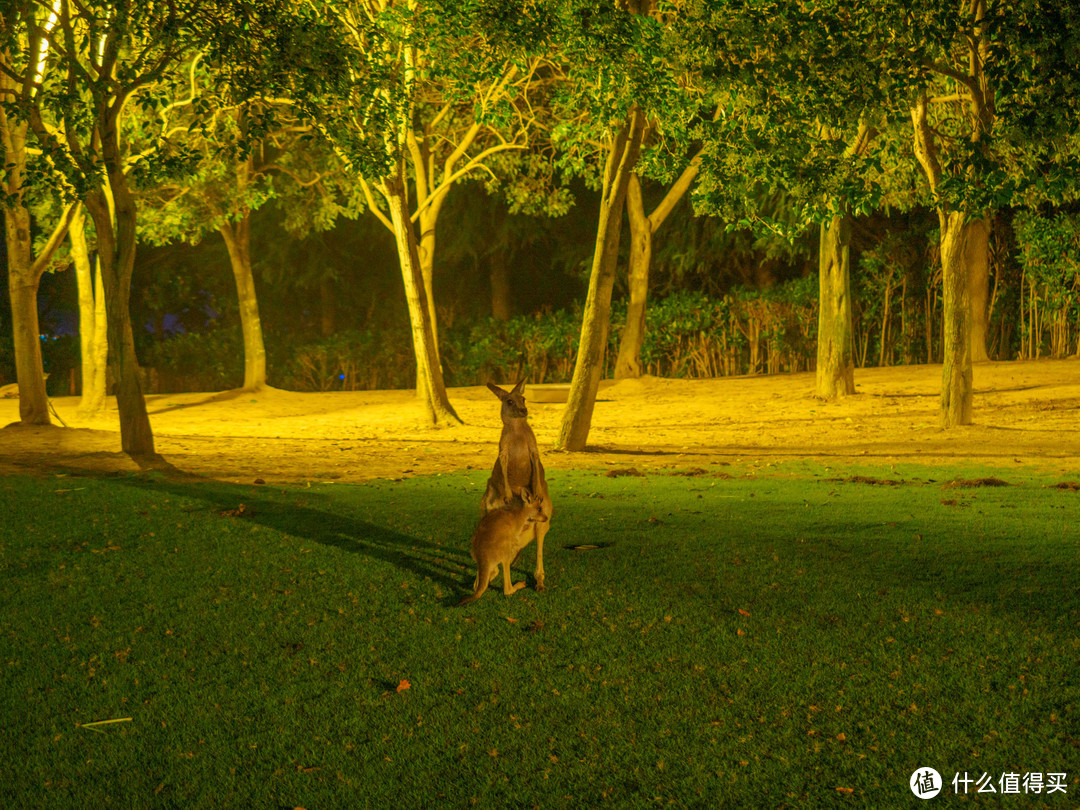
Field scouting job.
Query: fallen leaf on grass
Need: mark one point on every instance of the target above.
(740, 632)
(511, 620)
(841, 737)
(845, 790)
(744, 612)
(403, 685)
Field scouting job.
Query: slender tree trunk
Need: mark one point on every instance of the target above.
(237, 236)
(835, 342)
(500, 285)
(93, 341)
(977, 257)
(628, 361)
(429, 372)
(23, 289)
(23, 276)
(116, 256)
(956, 378)
(622, 158)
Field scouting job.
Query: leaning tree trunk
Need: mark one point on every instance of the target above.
(956, 377)
(428, 370)
(23, 283)
(92, 323)
(237, 236)
(835, 341)
(977, 257)
(628, 361)
(116, 257)
(577, 418)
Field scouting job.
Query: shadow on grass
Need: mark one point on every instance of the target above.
(444, 566)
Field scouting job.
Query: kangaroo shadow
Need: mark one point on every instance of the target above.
(442, 565)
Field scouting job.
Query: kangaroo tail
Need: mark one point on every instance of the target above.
(482, 585)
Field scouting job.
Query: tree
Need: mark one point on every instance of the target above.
(22, 50)
(642, 229)
(618, 78)
(93, 323)
(803, 100)
(440, 89)
(994, 105)
(224, 166)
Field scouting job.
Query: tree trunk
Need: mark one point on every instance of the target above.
(92, 324)
(23, 276)
(956, 379)
(977, 256)
(835, 341)
(116, 257)
(428, 370)
(628, 362)
(623, 155)
(237, 237)
(500, 285)
(23, 289)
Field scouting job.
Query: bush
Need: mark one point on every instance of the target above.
(687, 335)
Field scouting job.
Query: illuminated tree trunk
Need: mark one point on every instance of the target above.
(499, 274)
(622, 157)
(93, 339)
(642, 230)
(237, 236)
(628, 361)
(956, 376)
(116, 257)
(835, 341)
(426, 253)
(23, 290)
(977, 257)
(24, 272)
(428, 370)
(955, 227)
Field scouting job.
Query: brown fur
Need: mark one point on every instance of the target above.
(498, 540)
(518, 468)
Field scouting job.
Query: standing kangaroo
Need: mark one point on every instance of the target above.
(498, 540)
(518, 467)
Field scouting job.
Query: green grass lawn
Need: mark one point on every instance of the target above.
(782, 637)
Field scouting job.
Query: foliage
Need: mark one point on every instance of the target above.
(1050, 258)
(198, 361)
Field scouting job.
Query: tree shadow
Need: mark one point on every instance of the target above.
(223, 396)
(445, 566)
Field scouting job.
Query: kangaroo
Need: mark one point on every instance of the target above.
(499, 539)
(518, 467)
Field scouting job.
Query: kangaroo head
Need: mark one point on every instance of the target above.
(534, 505)
(513, 401)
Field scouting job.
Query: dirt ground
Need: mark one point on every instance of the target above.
(1025, 412)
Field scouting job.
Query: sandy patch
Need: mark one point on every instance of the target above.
(1026, 412)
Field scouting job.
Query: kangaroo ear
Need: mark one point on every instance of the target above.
(499, 392)
(517, 388)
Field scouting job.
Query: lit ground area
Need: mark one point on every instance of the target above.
(1026, 412)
